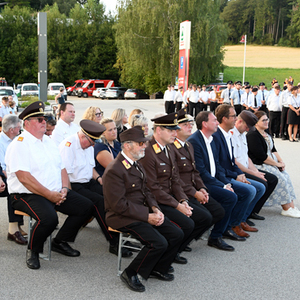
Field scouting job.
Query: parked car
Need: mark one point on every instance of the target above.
(77, 84)
(90, 85)
(99, 92)
(115, 93)
(220, 86)
(135, 94)
(53, 89)
(29, 89)
(9, 91)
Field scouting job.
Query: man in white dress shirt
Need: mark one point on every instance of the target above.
(193, 100)
(226, 94)
(65, 125)
(274, 108)
(169, 99)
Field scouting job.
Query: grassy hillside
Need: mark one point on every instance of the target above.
(256, 75)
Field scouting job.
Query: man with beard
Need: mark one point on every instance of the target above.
(131, 208)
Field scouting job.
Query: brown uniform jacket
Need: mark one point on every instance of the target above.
(191, 181)
(126, 196)
(163, 176)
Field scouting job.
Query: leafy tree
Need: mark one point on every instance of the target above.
(147, 36)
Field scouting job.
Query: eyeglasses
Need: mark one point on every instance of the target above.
(232, 116)
(99, 114)
(39, 119)
(139, 143)
(92, 143)
(265, 120)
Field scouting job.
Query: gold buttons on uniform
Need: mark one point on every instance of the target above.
(164, 171)
(133, 185)
(184, 165)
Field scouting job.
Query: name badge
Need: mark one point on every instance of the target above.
(162, 164)
(182, 158)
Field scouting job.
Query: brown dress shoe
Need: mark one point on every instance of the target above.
(239, 231)
(17, 237)
(247, 227)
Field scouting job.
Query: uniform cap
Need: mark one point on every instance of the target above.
(92, 129)
(35, 109)
(169, 121)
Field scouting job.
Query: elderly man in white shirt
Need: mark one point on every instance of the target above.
(65, 125)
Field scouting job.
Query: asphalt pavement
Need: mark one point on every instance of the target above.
(266, 266)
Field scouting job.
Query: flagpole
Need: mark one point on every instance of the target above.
(244, 60)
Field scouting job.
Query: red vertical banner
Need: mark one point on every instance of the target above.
(184, 54)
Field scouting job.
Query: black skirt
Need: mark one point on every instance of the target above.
(293, 119)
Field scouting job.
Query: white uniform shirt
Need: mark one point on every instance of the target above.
(226, 95)
(185, 96)
(178, 97)
(251, 102)
(204, 95)
(210, 154)
(236, 97)
(40, 158)
(168, 95)
(193, 96)
(263, 95)
(4, 142)
(273, 103)
(244, 98)
(240, 147)
(79, 162)
(213, 96)
(284, 98)
(294, 101)
(63, 130)
(4, 110)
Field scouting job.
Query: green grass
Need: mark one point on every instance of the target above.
(257, 75)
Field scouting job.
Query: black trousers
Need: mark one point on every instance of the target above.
(203, 107)
(161, 244)
(238, 108)
(93, 191)
(194, 107)
(77, 208)
(193, 227)
(275, 117)
(169, 107)
(212, 106)
(178, 106)
(270, 185)
(284, 126)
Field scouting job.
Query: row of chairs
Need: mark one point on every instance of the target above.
(123, 239)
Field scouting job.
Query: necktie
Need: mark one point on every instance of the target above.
(229, 92)
(255, 102)
(137, 167)
(263, 94)
(166, 152)
(239, 96)
(186, 148)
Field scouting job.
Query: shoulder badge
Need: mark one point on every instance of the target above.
(20, 139)
(177, 144)
(126, 164)
(156, 148)
(68, 144)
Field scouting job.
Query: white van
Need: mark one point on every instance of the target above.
(53, 89)
(29, 89)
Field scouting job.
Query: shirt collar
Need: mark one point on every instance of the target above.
(161, 146)
(227, 135)
(181, 142)
(207, 140)
(127, 158)
(5, 137)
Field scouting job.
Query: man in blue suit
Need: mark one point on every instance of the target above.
(214, 178)
(248, 190)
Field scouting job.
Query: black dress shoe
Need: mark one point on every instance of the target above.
(132, 245)
(219, 244)
(256, 217)
(180, 260)
(114, 249)
(133, 283)
(171, 269)
(64, 248)
(17, 237)
(250, 223)
(230, 234)
(32, 259)
(187, 249)
(161, 276)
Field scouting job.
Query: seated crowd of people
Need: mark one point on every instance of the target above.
(166, 188)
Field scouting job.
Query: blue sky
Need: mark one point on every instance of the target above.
(110, 4)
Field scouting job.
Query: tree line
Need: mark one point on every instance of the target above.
(138, 47)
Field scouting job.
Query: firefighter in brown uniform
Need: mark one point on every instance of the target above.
(131, 208)
(164, 183)
(191, 181)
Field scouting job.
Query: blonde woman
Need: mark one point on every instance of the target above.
(105, 152)
(120, 118)
(140, 120)
(93, 113)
